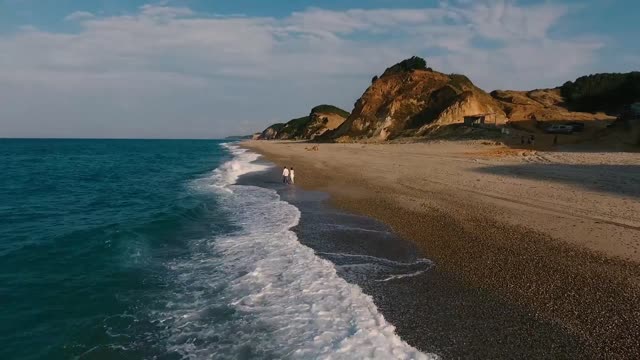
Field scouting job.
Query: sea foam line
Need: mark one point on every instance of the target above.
(295, 300)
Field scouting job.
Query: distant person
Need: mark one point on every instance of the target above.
(292, 176)
(555, 140)
(522, 140)
(285, 175)
(532, 140)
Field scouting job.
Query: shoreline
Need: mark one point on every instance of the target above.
(482, 243)
(423, 303)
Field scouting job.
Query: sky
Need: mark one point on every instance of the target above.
(213, 68)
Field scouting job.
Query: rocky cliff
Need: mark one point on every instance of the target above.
(271, 132)
(410, 99)
(407, 100)
(321, 119)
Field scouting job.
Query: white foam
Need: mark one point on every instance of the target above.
(356, 267)
(243, 162)
(295, 302)
(402, 276)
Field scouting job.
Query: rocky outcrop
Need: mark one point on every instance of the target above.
(322, 118)
(293, 129)
(410, 99)
(407, 101)
(541, 104)
(271, 132)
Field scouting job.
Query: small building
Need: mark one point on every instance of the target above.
(478, 120)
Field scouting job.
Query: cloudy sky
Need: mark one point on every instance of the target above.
(211, 68)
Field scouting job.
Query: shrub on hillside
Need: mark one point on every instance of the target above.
(329, 109)
(608, 92)
(413, 63)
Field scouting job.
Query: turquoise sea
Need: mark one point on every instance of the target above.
(147, 249)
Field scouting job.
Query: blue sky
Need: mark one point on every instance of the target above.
(193, 69)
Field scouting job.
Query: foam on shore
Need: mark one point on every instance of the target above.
(285, 301)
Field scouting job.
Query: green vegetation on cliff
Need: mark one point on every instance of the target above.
(305, 127)
(329, 109)
(460, 82)
(277, 126)
(413, 63)
(294, 128)
(608, 92)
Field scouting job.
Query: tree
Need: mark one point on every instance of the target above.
(602, 92)
(413, 63)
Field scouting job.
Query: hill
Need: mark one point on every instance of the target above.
(410, 99)
(608, 92)
(540, 104)
(271, 132)
(321, 119)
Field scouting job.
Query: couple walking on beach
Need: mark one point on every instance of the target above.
(288, 176)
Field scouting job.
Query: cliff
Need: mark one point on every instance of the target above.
(321, 119)
(271, 132)
(409, 99)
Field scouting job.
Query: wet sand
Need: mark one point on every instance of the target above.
(431, 310)
(516, 285)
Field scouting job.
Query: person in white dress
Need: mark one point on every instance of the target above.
(292, 175)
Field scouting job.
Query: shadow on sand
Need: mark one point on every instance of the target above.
(622, 180)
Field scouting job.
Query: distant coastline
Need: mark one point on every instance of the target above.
(410, 101)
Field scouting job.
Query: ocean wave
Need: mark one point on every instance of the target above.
(279, 299)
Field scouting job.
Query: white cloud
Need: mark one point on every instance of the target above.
(169, 65)
(79, 15)
(156, 11)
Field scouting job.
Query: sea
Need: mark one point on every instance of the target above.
(152, 249)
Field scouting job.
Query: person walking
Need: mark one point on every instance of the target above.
(292, 176)
(285, 175)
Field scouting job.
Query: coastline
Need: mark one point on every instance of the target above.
(429, 309)
(586, 288)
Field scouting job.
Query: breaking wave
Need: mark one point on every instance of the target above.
(257, 292)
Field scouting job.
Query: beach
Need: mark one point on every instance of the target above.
(554, 235)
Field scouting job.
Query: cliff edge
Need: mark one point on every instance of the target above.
(410, 98)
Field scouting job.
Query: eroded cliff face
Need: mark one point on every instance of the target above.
(271, 132)
(323, 118)
(407, 103)
(409, 99)
(540, 104)
(322, 122)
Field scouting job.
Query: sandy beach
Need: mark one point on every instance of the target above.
(555, 233)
